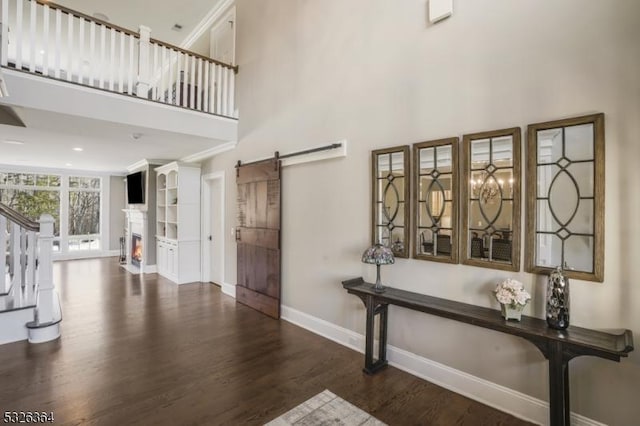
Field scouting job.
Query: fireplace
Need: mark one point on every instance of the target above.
(136, 249)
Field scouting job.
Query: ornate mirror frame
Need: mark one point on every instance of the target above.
(579, 176)
(435, 204)
(390, 200)
(484, 244)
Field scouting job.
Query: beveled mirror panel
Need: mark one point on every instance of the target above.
(435, 200)
(490, 194)
(565, 197)
(390, 197)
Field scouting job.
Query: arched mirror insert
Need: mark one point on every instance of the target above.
(491, 199)
(435, 200)
(565, 197)
(390, 195)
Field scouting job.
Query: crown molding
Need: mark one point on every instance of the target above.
(208, 153)
(209, 19)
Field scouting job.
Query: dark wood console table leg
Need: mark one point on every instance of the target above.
(373, 308)
(559, 405)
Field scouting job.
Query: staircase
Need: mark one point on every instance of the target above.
(29, 304)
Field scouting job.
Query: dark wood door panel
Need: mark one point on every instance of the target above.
(267, 238)
(258, 236)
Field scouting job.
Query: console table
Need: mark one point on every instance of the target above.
(557, 346)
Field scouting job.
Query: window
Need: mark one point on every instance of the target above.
(75, 203)
(84, 213)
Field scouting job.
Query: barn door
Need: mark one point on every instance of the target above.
(258, 236)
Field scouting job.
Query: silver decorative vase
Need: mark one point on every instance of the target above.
(558, 300)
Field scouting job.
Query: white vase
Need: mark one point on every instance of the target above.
(510, 312)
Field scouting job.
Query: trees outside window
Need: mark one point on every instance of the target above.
(74, 199)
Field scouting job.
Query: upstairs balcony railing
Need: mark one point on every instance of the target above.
(53, 41)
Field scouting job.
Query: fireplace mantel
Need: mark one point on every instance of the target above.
(137, 223)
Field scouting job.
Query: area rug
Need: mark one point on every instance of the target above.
(325, 409)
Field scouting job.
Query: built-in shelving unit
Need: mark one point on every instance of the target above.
(178, 222)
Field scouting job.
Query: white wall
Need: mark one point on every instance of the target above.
(116, 215)
(374, 72)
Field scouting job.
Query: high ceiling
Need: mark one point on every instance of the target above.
(159, 15)
(49, 138)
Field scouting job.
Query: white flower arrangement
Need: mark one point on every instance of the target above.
(511, 292)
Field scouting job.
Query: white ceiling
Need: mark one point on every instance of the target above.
(49, 138)
(159, 15)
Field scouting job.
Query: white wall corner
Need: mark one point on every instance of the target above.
(502, 398)
(208, 153)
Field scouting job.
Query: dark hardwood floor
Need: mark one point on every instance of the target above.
(141, 350)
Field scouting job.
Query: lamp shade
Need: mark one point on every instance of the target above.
(378, 254)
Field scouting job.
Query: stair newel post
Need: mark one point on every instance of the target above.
(46, 292)
(144, 73)
(31, 259)
(4, 282)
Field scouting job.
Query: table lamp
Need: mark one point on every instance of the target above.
(378, 255)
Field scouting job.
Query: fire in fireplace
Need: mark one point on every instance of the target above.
(136, 249)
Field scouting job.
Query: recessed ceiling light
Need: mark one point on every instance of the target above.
(11, 142)
(78, 149)
(68, 164)
(136, 136)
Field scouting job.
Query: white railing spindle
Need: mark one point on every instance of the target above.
(45, 41)
(121, 67)
(69, 47)
(179, 79)
(185, 81)
(192, 89)
(31, 259)
(4, 282)
(23, 256)
(171, 81)
(199, 105)
(131, 67)
(32, 36)
(112, 60)
(103, 48)
(205, 101)
(58, 51)
(232, 97)
(81, 51)
(154, 93)
(218, 89)
(92, 49)
(14, 249)
(18, 31)
(5, 33)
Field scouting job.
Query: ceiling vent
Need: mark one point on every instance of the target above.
(176, 27)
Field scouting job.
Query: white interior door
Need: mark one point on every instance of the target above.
(223, 39)
(213, 249)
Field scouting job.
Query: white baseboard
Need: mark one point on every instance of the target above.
(229, 289)
(151, 269)
(504, 399)
(86, 255)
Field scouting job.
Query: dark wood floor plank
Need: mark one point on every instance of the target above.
(141, 350)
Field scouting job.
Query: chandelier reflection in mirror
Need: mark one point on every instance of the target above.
(488, 190)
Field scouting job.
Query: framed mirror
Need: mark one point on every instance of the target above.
(565, 197)
(390, 198)
(435, 200)
(490, 196)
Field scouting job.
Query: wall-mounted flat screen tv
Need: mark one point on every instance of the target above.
(135, 188)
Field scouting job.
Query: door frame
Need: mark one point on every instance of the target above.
(230, 14)
(208, 181)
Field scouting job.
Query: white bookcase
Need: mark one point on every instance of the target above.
(178, 222)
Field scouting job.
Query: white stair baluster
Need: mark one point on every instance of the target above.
(18, 32)
(23, 257)
(58, 43)
(199, 105)
(4, 281)
(69, 47)
(205, 100)
(121, 64)
(92, 49)
(31, 259)
(232, 94)
(32, 37)
(45, 41)
(14, 248)
(103, 48)
(131, 68)
(112, 60)
(81, 51)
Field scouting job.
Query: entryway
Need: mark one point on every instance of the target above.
(213, 228)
